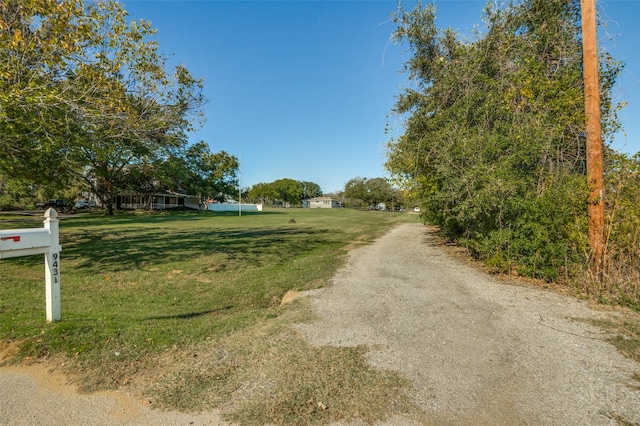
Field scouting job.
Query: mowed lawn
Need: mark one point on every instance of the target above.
(136, 287)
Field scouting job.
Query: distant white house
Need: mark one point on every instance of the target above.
(321, 203)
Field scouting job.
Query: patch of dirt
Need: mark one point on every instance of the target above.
(8, 350)
(39, 395)
(46, 374)
(289, 297)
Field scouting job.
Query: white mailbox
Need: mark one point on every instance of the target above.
(25, 242)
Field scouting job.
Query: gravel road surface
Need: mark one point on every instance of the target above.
(477, 351)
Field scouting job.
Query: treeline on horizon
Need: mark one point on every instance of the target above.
(357, 193)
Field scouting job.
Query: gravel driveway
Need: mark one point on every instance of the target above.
(477, 351)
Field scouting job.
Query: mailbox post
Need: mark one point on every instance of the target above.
(25, 242)
(52, 267)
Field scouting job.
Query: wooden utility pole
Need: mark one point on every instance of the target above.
(594, 134)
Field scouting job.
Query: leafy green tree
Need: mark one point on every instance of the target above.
(368, 192)
(38, 43)
(210, 176)
(15, 193)
(310, 190)
(288, 191)
(84, 93)
(356, 191)
(380, 191)
(494, 141)
(262, 193)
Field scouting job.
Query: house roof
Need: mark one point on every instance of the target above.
(319, 199)
(158, 194)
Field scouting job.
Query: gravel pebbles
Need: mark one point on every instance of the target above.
(477, 351)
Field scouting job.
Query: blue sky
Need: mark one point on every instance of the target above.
(304, 89)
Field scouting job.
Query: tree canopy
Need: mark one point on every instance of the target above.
(208, 176)
(494, 140)
(85, 94)
(369, 192)
(284, 191)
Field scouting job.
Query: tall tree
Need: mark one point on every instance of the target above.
(84, 92)
(495, 132)
(210, 176)
(284, 190)
(288, 191)
(370, 191)
(38, 41)
(310, 190)
(262, 193)
(355, 189)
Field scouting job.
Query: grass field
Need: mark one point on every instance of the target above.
(183, 308)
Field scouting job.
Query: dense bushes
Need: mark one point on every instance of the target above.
(494, 140)
(7, 203)
(620, 280)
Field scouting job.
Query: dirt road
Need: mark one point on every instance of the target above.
(477, 351)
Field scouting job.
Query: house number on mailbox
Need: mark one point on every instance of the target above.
(55, 271)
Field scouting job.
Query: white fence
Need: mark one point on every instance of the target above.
(26, 242)
(227, 207)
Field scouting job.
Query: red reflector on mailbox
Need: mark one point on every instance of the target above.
(16, 240)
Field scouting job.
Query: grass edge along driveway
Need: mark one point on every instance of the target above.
(183, 308)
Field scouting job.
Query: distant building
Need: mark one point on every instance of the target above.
(159, 201)
(321, 203)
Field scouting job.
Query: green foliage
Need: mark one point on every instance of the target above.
(284, 192)
(364, 192)
(15, 194)
(310, 190)
(261, 193)
(621, 274)
(288, 191)
(84, 93)
(8, 203)
(623, 210)
(207, 175)
(355, 190)
(494, 142)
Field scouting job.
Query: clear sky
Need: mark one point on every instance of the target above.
(304, 89)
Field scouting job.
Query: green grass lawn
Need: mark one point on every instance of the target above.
(141, 290)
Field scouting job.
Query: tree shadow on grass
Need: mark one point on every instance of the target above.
(154, 217)
(144, 248)
(149, 242)
(191, 314)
